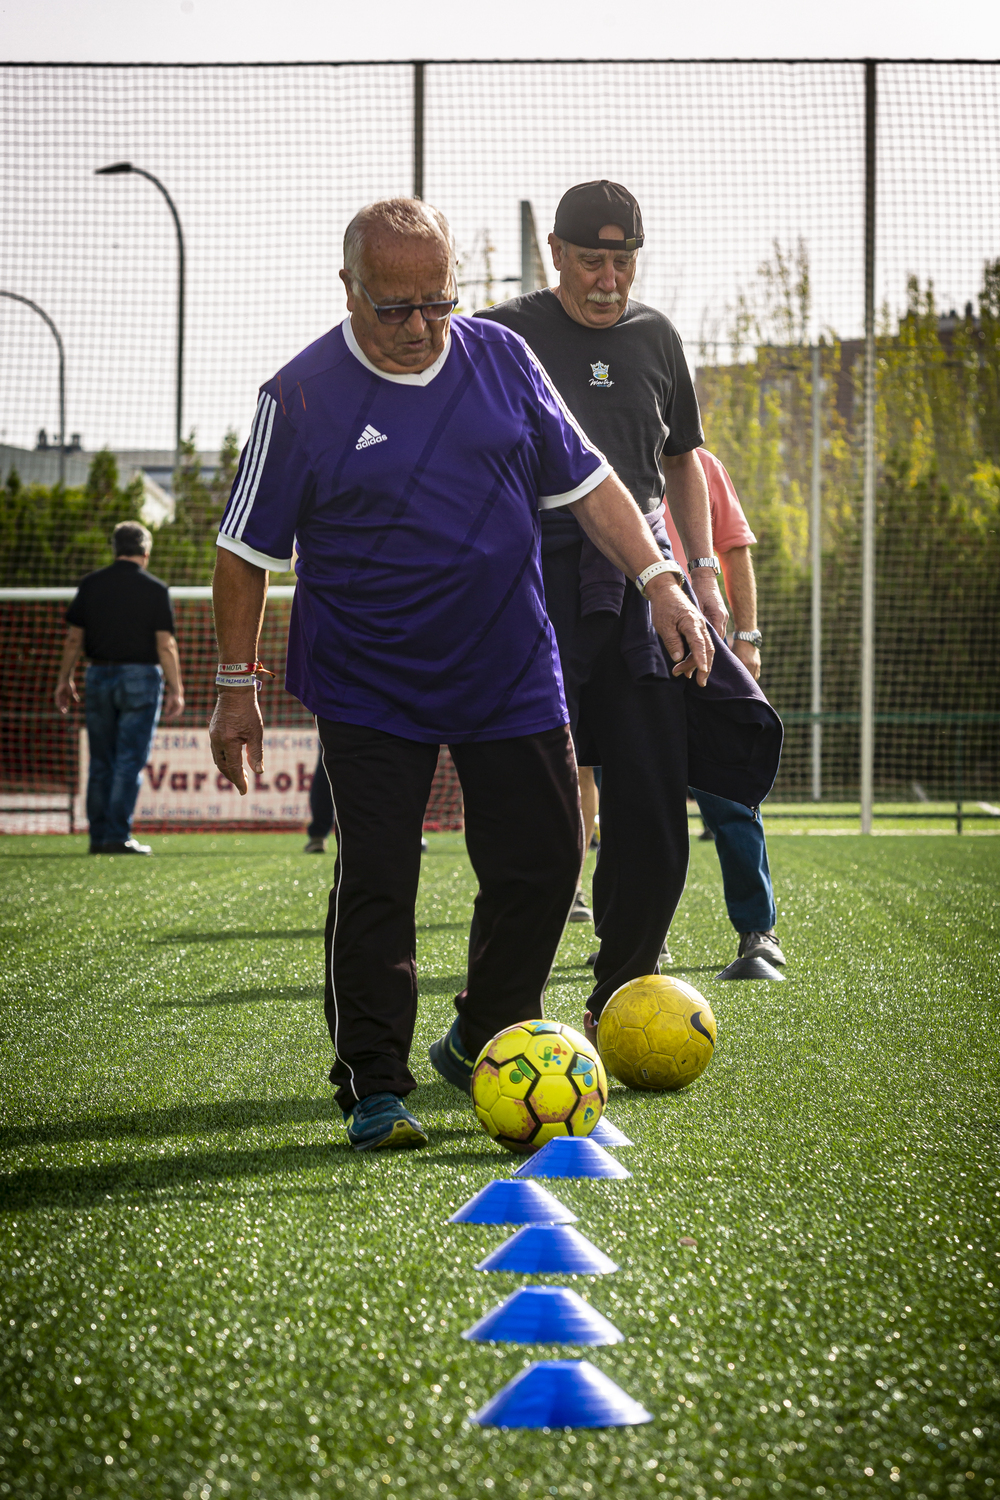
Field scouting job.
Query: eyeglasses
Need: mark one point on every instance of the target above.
(398, 312)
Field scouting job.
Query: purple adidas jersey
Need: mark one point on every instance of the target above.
(412, 502)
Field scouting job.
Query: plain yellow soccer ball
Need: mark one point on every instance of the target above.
(656, 1033)
(535, 1081)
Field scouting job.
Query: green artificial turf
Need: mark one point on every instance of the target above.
(204, 1293)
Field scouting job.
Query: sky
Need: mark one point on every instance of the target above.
(311, 30)
(731, 164)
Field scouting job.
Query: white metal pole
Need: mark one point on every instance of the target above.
(816, 540)
(868, 512)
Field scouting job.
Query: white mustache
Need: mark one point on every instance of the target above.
(605, 298)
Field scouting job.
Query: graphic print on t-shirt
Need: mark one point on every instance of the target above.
(647, 409)
(370, 437)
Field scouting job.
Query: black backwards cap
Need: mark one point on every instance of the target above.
(585, 209)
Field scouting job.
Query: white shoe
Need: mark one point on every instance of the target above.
(580, 911)
(761, 945)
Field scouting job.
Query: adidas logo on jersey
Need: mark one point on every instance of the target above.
(370, 437)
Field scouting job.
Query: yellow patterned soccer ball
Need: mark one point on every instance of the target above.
(538, 1080)
(656, 1033)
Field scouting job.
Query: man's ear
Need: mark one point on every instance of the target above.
(345, 277)
(558, 251)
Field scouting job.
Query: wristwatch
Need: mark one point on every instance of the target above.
(704, 562)
(752, 637)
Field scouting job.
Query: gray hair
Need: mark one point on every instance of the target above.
(132, 539)
(408, 217)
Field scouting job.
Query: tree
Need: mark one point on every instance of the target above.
(185, 547)
(52, 536)
(937, 510)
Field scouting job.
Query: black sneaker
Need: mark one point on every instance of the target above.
(128, 846)
(383, 1120)
(449, 1057)
(761, 945)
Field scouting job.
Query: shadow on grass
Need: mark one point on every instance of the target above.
(440, 984)
(468, 1158)
(82, 1187)
(437, 1094)
(257, 935)
(312, 992)
(35, 854)
(185, 1119)
(226, 937)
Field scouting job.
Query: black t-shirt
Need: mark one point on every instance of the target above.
(120, 609)
(628, 386)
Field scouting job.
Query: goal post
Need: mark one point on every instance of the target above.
(43, 754)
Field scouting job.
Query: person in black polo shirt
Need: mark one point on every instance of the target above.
(619, 366)
(122, 621)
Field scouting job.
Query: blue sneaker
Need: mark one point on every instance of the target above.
(382, 1120)
(451, 1060)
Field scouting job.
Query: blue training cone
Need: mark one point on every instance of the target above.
(561, 1393)
(548, 1249)
(544, 1315)
(506, 1202)
(605, 1133)
(571, 1156)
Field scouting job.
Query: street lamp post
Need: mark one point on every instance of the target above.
(121, 169)
(16, 297)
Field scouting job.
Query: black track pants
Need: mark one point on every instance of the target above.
(637, 733)
(525, 840)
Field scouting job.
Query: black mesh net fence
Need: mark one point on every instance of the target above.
(751, 178)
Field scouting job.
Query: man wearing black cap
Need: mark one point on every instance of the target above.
(620, 368)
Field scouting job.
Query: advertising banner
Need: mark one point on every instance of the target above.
(181, 785)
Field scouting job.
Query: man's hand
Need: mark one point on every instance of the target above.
(706, 588)
(66, 695)
(239, 589)
(173, 703)
(681, 628)
(237, 722)
(749, 656)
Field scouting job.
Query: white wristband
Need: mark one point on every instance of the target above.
(652, 571)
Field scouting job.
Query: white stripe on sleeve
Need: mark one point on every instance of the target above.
(251, 448)
(251, 555)
(551, 502)
(253, 457)
(248, 507)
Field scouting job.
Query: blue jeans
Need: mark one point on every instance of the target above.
(123, 705)
(746, 877)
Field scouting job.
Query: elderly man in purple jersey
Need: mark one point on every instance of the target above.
(406, 456)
